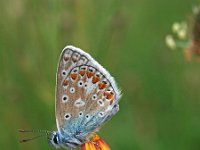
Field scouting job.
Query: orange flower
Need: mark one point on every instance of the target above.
(97, 143)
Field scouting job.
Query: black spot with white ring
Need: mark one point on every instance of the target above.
(85, 85)
(65, 98)
(67, 116)
(100, 102)
(64, 73)
(80, 83)
(80, 114)
(94, 97)
(87, 116)
(72, 90)
(101, 114)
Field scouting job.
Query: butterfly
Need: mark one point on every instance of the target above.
(86, 97)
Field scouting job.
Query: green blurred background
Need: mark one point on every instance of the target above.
(160, 107)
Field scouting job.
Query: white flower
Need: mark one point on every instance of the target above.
(176, 27)
(170, 42)
(182, 34)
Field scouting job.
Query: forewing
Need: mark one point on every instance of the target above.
(87, 95)
(69, 58)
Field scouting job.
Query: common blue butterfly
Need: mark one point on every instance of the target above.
(86, 97)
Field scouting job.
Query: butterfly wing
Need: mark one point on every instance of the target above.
(86, 94)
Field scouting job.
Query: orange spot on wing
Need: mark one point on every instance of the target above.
(65, 82)
(90, 74)
(82, 72)
(109, 95)
(95, 79)
(102, 85)
(74, 76)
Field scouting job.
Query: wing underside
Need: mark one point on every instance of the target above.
(86, 94)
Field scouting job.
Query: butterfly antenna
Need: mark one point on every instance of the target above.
(36, 131)
(46, 132)
(27, 140)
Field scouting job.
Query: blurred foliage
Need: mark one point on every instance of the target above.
(160, 107)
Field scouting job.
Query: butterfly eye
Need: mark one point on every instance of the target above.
(65, 98)
(72, 90)
(101, 114)
(67, 116)
(94, 97)
(55, 139)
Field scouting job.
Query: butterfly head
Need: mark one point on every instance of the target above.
(54, 139)
(59, 140)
